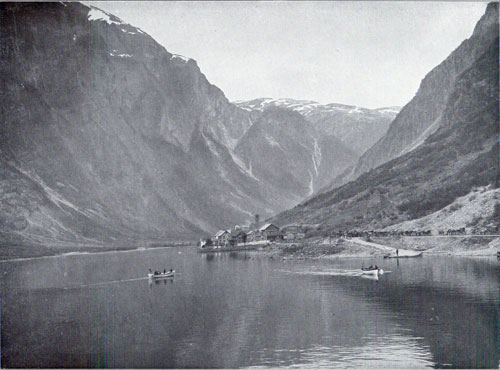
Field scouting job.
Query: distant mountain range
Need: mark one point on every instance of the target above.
(445, 143)
(358, 128)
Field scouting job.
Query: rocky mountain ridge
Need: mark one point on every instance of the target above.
(358, 128)
(423, 115)
(460, 154)
(110, 136)
(107, 136)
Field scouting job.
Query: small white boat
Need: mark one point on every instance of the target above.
(370, 277)
(162, 275)
(372, 271)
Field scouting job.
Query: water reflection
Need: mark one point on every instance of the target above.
(242, 309)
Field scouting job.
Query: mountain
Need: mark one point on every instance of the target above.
(423, 115)
(285, 150)
(358, 128)
(461, 153)
(106, 135)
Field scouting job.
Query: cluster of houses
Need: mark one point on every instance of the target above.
(243, 234)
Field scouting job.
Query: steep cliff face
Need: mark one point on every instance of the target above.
(461, 154)
(358, 128)
(107, 135)
(423, 115)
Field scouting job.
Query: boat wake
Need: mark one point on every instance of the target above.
(105, 283)
(113, 282)
(329, 272)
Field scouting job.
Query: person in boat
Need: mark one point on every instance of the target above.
(164, 271)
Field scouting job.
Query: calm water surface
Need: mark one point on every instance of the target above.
(247, 310)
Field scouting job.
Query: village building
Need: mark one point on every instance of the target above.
(221, 237)
(255, 236)
(292, 232)
(270, 232)
(238, 236)
(251, 236)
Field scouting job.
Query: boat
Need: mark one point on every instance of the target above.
(372, 271)
(404, 256)
(162, 275)
(370, 277)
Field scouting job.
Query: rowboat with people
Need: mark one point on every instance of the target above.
(161, 275)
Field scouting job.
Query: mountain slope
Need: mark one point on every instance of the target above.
(423, 114)
(448, 164)
(286, 151)
(108, 135)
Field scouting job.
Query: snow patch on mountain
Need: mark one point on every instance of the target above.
(180, 57)
(309, 107)
(121, 55)
(129, 32)
(392, 110)
(98, 15)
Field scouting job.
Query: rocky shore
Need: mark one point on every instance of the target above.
(466, 246)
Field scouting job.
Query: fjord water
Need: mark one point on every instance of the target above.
(247, 310)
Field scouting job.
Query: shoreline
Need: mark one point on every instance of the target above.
(471, 246)
(485, 246)
(91, 250)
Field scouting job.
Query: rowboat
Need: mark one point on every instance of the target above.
(162, 275)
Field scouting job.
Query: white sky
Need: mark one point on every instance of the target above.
(370, 54)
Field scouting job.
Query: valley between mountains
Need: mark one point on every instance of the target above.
(108, 141)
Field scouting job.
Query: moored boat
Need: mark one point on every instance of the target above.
(404, 256)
